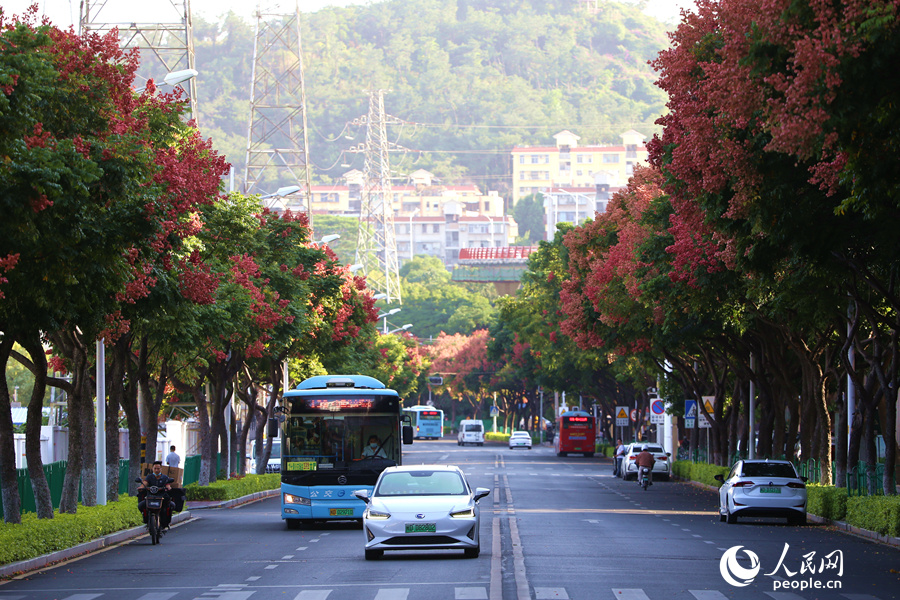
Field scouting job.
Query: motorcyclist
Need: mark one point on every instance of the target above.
(645, 461)
(156, 478)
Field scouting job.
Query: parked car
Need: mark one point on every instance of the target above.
(762, 488)
(421, 507)
(520, 439)
(662, 468)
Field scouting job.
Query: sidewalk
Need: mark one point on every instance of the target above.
(25, 566)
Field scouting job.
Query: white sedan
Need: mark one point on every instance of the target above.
(662, 467)
(421, 507)
(520, 439)
(762, 488)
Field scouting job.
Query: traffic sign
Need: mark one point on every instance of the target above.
(495, 410)
(634, 415)
(690, 413)
(657, 411)
(709, 403)
(621, 416)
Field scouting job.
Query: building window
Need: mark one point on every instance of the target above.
(535, 158)
(610, 158)
(521, 159)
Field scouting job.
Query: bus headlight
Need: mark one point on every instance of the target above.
(292, 499)
(463, 514)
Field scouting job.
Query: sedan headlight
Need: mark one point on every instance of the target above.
(376, 515)
(292, 499)
(463, 514)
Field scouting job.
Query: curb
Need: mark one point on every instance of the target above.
(843, 526)
(10, 570)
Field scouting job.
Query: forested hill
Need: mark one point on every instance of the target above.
(469, 79)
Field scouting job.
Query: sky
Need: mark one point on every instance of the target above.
(65, 12)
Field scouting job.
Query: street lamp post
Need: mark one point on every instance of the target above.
(404, 328)
(385, 315)
(491, 226)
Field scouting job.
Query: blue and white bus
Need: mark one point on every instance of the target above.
(328, 424)
(427, 422)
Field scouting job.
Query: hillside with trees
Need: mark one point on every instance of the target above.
(469, 80)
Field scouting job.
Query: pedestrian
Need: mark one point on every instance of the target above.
(620, 455)
(172, 459)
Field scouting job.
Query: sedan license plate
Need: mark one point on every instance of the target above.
(770, 490)
(421, 528)
(341, 512)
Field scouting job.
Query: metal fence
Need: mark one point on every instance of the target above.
(56, 473)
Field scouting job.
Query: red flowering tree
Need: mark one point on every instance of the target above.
(96, 184)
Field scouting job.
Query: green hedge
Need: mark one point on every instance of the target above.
(875, 513)
(229, 489)
(826, 501)
(490, 436)
(695, 471)
(35, 537)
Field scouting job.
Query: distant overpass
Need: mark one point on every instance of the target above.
(501, 266)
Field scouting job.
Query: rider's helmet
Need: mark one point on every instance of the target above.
(644, 448)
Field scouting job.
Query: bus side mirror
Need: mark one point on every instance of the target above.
(272, 428)
(407, 434)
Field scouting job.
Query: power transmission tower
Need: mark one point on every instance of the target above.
(376, 244)
(277, 144)
(165, 40)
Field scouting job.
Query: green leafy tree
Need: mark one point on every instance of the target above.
(529, 215)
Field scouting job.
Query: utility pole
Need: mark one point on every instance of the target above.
(277, 142)
(166, 43)
(376, 243)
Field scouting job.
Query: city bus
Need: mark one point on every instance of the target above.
(427, 422)
(328, 424)
(575, 432)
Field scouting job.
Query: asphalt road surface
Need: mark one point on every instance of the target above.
(552, 529)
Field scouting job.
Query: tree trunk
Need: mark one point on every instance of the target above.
(43, 501)
(12, 503)
(68, 344)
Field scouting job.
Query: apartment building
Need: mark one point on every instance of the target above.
(566, 165)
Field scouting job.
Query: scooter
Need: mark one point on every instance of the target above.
(156, 501)
(645, 478)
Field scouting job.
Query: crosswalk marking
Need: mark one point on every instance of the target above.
(83, 596)
(707, 594)
(226, 596)
(470, 593)
(630, 594)
(550, 594)
(155, 596)
(392, 594)
(312, 595)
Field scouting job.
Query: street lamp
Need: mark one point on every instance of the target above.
(329, 238)
(354, 268)
(280, 193)
(393, 311)
(404, 328)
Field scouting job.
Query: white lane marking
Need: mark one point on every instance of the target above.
(270, 567)
(630, 594)
(314, 541)
(312, 595)
(444, 457)
(301, 548)
(707, 594)
(859, 597)
(470, 593)
(150, 596)
(496, 573)
(708, 542)
(695, 535)
(83, 596)
(254, 578)
(230, 595)
(287, 557)
(392, 594)
(326, 533)
(550, 594)
(683, 529)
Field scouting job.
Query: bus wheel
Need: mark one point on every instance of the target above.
(374, 554)
(293, 523)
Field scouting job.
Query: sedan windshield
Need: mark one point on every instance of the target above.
(768, 470)
(421, 483)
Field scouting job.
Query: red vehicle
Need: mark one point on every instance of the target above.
(575, 432)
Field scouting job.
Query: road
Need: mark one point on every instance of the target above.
(552, 529)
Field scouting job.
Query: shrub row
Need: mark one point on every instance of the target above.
(695, 471)
(229, 489)
(875, 513)
(35, 537)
